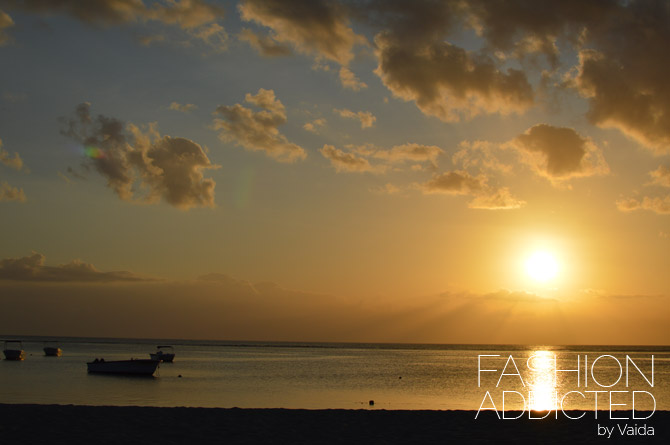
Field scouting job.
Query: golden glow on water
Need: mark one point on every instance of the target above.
(542, 381)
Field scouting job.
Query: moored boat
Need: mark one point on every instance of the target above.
(163, 353)
(51, 349)
(13, 350)
(138, 366)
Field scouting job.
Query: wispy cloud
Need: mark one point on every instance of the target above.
(258, 130)
(366, 118)
(32, 268)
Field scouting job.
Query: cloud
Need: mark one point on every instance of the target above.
(661, 176)
(386, 189)
(318, 27)
(446, 81)
(366, 118)
(264, 44)
(32, 268)
(185, 108)
(14, 162)
(350, 81)
(559, 153)
(625, 78)
(657, 204)
(143, 167)
(346, 162)
(480, 155)
(459, 182)
(314, 125)
(410, 152)
(257, 130)
(196, 17)
(5, 22)
(9, 193)
(455, 183)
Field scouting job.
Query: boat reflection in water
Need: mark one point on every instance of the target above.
(145, 367)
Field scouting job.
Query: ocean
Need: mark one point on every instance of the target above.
(348, 376)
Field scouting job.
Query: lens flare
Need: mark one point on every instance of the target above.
(93, 152)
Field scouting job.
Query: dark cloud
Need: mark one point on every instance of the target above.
(316, 27)
(623, 70)
(447, 82)
(559, 153)
(163, 167)
(32, 268)
(257, 130)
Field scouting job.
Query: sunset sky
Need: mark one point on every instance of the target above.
(336, 170)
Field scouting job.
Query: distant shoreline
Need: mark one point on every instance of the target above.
(31, 423)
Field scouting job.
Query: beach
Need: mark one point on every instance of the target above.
(73, 424)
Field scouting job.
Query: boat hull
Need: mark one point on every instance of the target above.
(53, 352)
(14, 354)
(126, 367)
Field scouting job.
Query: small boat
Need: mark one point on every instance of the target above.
(130, 367)
(51, 349)
(14, 350)
(164, 354)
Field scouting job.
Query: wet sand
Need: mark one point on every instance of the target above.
(53, 424)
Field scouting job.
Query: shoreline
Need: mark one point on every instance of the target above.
(32, 423)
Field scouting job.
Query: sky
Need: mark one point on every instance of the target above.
(365, 171)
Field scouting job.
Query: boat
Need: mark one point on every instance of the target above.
(14, 350)
(129, 367)
(51, 349)
(163, 353)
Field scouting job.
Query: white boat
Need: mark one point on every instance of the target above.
(129, 367)
(164, 354)
(13, 350)
(51, 349)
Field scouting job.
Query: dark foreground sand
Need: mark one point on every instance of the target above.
(48, 424)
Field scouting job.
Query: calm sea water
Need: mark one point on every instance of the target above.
(319, 376)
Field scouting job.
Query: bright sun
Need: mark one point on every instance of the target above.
(542, 266)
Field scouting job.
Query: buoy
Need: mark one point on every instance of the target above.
(372, 403)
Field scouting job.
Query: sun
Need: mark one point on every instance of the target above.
(542, 266)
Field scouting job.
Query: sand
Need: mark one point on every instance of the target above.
(49, 424)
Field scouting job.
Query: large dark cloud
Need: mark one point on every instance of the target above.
(559, 153)
(32, 268)
(163, 167)
(314, 27)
